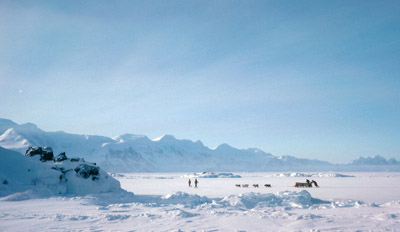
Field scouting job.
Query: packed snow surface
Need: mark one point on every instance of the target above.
(164, 202)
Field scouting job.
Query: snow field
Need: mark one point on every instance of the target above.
(164, 202)
(378, 187)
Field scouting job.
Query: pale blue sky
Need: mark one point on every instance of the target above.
(313, 79)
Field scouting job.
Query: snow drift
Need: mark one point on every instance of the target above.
(286, 200)
(23, 177)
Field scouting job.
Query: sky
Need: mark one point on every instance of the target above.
(311, 79)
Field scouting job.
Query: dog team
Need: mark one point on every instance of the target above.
(254, 185)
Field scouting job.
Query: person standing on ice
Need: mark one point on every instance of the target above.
(195, 183)
(190, 183)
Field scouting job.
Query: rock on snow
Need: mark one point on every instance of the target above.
(28, 177)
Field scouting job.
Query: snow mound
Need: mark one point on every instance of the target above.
(286, 199)
(186, 199)
(392, 203)
(181, 213)
(211, 175)
(24, 177)
(333, 175)
(321, 174)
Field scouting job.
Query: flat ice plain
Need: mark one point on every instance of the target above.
(164, 202)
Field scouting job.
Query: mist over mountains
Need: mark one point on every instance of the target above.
(138, 153)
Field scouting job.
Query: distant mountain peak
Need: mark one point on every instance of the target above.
(6, 124)
(130, 137)
(12, 139)
(130, 152)
(200, 142)
(165, 138)
(29, 127)
(373, 160)
(224, 146)
(4, 121)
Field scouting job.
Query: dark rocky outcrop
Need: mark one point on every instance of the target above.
(61, 157)
(32, 151)
(85, 171)
(45, 153)
(26, 177)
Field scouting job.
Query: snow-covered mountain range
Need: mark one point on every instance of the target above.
(138, 153)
